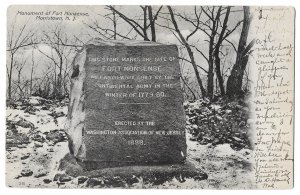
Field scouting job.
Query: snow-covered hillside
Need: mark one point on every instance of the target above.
(217, 138)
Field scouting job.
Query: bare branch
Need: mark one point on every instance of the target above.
(200, 52)
(184, 59)
(231, 44)
(131, 22)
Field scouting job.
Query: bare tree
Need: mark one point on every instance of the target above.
(106, 32)
(32, 71)
(17, 38)
(215, 26)
(216, 51)
(189, 50)
(42, 85)
(114, 20)
(212, 21)
(61, 48)
(185, 79)
(148, 21)
(19, 67)
(235, 80)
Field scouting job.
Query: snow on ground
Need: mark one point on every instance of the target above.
(226, 168)
(42, 119)
(36, 143)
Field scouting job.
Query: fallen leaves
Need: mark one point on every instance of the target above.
(219, 122)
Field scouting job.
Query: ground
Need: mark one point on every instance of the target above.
(36, 142)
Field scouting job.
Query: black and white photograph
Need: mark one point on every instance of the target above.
(150, 96)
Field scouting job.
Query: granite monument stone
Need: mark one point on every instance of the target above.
(126, 104)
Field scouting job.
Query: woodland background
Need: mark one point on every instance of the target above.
(213, 45)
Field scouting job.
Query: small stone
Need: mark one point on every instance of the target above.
(26, 173)
(203, 142)
(216, 141)
(44, 108)
(65, 178)
(61, 178)
(25, 156)
(60, 183)
(237, 139)
(193, 139)
(94, 182)
(228, 111)
(56, 177)
(17, 177)
(46, 181)
(219, 118)
(55, 136)
(132, 180)
(201, 176)
(40, 174)
(39, 138)
(11, 149)
(81, 180)
(21, 146)
(38, 145)
(25, 124)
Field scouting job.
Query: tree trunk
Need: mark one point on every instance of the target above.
(31, 73)
(145, 24)
(152, 24)
(235, 80)
(19, 84)
(10, 76)
(210, 74)
(189, 88)
(54, 84)
(219, 75)
(217, 52)
(210, 78)
(115, 24)
(59, 82)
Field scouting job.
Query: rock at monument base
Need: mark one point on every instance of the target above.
(69, 165)
(128, 175)
(150, 173)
